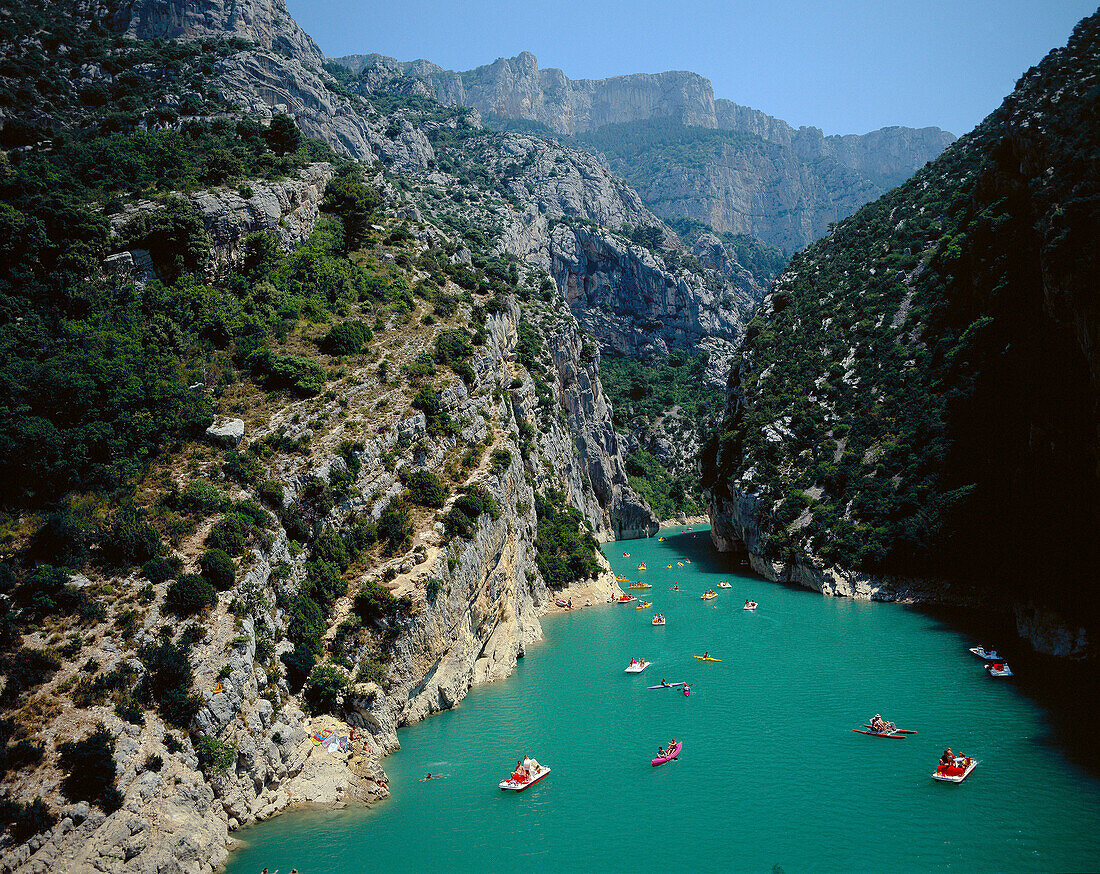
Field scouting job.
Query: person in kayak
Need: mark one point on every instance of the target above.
(706, 654)
(664, 682)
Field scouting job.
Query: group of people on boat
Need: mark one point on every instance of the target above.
(661, 751)
(750, 605)
(636, 662)
(880, 725)
(526, 769)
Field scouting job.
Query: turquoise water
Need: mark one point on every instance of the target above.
(770, 774)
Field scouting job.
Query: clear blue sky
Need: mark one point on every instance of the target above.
(846, 67)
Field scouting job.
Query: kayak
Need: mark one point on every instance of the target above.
(897, 730)
(519, 785)
(955, 773)
(626, 599)
(644, 605)
(708, 658)
(640, 586)
(880, 733)
(666, 686)
(670, 755)
(637, 667)
(687, 690)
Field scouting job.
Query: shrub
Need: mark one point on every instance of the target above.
(218, 569)
(433, 588)
(202, 498)
(89, 767)
(299, 662)
(229, 534)
(271, 493)
(324, 583)
(395, 526)
(306, 623)
(501, 459)
(346, 338)
(188, 595)
(153, 762)
(215, 757)
(425, 488)
(131, 540)
(161, 568)
(26, 820)
(168, 679)
(326, 683)
(374, 601)
(26, 669)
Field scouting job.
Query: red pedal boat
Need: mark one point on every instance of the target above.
(519, 779)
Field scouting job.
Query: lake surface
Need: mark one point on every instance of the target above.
(771, 773)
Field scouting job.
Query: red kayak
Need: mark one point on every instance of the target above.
(670, 755)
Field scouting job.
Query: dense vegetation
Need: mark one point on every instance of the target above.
(920, 390)
(663, 399)
(565, 549)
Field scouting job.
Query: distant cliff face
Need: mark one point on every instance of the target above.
(688, 154)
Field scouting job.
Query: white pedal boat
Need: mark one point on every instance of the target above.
(638, 667)
(519, 785)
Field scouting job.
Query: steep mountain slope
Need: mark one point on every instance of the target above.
(918, 396)
(291, 443)
(688, 154)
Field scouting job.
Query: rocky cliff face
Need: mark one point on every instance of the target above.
(781, 184)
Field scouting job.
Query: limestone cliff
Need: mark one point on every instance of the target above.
(747, 172)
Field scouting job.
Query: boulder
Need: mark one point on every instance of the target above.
(226, 432)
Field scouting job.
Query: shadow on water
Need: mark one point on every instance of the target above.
(1069, 691)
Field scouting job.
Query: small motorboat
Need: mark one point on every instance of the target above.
(708, 658)
(724, 585)
(667, 686)
(664, 755)
(956, 772)
(986, 655)
(659, 619)
(640, 586)
(750, 605)
(624, 598)
(706, 596)
(636, 667)
(999, 669)
(644, 605)
(520, 779)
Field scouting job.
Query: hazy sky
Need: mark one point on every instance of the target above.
(846, 67)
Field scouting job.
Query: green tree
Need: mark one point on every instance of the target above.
(282, 135)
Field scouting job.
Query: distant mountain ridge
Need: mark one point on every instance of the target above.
(786, 196)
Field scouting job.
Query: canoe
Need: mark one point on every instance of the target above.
(638, 668)
(955, 773)
(512, 783)
(708, 658)
(666, 686)
(897, 730)
(672, 754)
(879, 733)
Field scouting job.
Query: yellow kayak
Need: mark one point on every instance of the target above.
(644, 604)
(708, 658)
